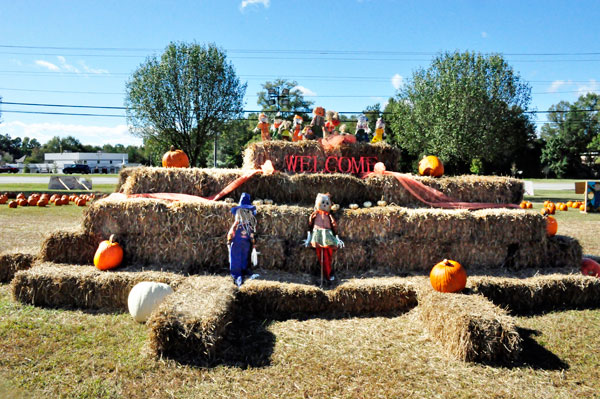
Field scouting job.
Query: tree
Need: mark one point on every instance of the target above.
(465, 107)
(184, 96)
(297, 104)
(572, 131)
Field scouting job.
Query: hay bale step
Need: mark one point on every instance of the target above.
(191, 322)
(469, 327)
(81, 287)
(303, 188)
(539, 293)
(13, 261)
(70, 247)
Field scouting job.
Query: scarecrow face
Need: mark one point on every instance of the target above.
(323, 203)
(263, 118)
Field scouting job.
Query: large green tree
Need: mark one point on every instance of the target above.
(572, 131)
(184, 96)
(296, 102)
(466, 108)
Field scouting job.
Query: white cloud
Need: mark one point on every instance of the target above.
(246, 3)
(556, 85)
(87, 69)
(592, 87)
(484, 35)
(397, 81)
(47, 64)
(66, 66)
(304, 91)
(87, 134)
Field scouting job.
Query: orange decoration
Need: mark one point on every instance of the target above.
(523, 205)
(12, 204)
(551, 226)
(22, 202)
(431, 166)
(175, 159)
(108, 255)
(448, 276)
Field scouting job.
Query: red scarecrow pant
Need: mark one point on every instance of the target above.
(324, 254)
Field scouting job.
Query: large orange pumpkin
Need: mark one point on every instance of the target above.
(3, 199)
(448, 276)
(551, 226)
(431, 166)
(108, 255)
(175, 159)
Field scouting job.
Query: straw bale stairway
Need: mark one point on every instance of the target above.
(513, 266)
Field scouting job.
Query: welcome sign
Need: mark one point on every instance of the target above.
(330, 164)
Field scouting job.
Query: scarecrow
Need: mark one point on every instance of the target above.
(333, 120)
(275, 126)
(362, 129)
(318, 121)
(308, 134)
(284, 131)
(322, 235)
(263, 127)
(241, 241)
(297, 132)
(379, 131)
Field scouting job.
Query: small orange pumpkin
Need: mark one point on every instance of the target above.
(42, 203)
(13, 204)
(563, 207)
(21, 196)
(22, 202)
(551, 208)
(544, 211)
(448, 276)
(590, 267)
(551, 226)
(108, 255)
(175, 159)
(3, 199)
(523, 205)
(582, 207)
(431, 166)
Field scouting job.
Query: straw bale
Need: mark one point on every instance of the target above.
(82, 287)
(303, 188)
(75, 247)
(539, 293)
(12, 262)
(357, 297)
(191, 322)
(276, 151)
(469, 327)
(563, 251)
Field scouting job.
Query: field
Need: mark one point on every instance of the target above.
(62, 353)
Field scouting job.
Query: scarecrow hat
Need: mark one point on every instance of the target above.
(245, 203)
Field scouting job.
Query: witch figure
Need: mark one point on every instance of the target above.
(241, 241)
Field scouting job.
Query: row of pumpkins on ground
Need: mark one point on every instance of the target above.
(42, 200)
(550, 207)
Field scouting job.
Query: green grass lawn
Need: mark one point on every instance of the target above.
(40, 187)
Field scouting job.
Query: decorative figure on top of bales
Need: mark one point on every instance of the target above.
(318, 121)
(297, 126)
(242, 242)
(362, 129)
(333, 120)
(379, 131)
(263, 127)
(276, 124)
(284, 131)
(308, 134)
(322, 235)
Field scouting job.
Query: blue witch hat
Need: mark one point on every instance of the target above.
(245, 203)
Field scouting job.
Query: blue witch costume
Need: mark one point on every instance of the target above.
(240, 239)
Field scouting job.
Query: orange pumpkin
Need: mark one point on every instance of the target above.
(431, 166)
(108, 255)
(563, 207)
(22, 202)
(21, 196)
(551, 208)
(582, 207)
(32, 201)
(523, 205)
(12, 204)
(570, 204)
(42, 203)
(544, 211)
(175, 159)
(551, 226)
(448, 276)
(3, 199)
(529, 205)
(80, 202)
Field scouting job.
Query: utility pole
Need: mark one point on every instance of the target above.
(215, 150)
(279, 97)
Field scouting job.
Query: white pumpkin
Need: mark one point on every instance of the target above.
(145, 297)
(367, 204)
(353, 206)
(335, 207)
(381, 203)
(257, 202)
(268, 202)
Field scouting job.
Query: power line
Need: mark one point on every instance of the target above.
(60, 113)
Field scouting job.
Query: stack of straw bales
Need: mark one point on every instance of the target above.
(13, 261)
(190, 237)
(277, 151)
(469, 327)
(81, 287)
(192, 321)
(74, 247)
(303, 188)
(539, 293)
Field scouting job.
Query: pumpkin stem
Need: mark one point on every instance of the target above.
(111, 239)
(172, 148)
(447, 262)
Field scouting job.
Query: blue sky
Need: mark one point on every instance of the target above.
(345, 55)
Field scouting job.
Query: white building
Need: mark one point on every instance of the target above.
(99, 162)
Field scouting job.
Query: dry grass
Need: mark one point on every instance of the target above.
(81, 287)
(191, 322)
